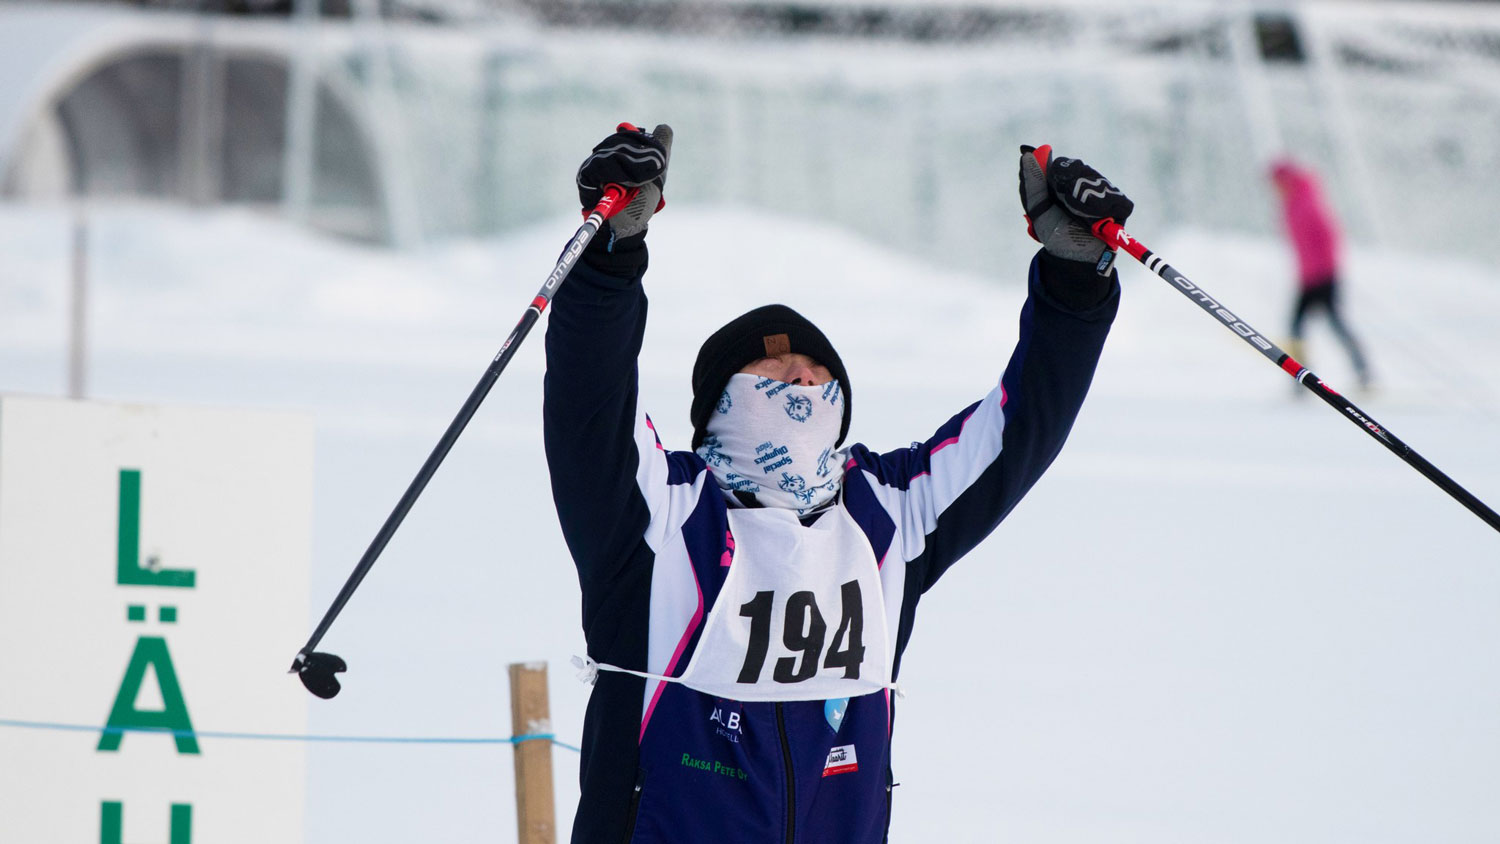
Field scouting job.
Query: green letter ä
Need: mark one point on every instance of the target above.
(111, 822)
(152, 651)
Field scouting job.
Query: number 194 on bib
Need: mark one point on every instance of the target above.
(803, 636)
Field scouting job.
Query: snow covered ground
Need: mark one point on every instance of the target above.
(1224, 616)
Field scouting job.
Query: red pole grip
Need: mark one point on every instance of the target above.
(614, 201)
(1115, 236)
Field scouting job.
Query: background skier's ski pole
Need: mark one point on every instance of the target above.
(317, 669)
(1111, 233)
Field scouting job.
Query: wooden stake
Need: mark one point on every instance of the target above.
(531, 715)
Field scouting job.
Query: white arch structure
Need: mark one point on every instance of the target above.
(103, 101)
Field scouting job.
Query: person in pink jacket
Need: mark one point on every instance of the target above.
(1315, 239)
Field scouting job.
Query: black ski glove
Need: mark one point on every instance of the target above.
(1062, 198)
(630, 158)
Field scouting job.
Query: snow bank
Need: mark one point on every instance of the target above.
(1223, 616)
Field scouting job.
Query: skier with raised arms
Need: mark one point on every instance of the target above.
(746, 603)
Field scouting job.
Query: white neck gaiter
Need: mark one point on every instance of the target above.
(775, 441)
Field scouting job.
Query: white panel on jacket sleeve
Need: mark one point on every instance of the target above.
(958, 463)
(955, 465)
(676, 600)
(668, 504)
(676, 611)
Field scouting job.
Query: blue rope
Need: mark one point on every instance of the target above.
(88, 728)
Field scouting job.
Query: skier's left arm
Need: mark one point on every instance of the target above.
(950, 491)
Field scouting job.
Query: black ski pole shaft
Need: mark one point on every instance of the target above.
(1112, 234)
(615, 198)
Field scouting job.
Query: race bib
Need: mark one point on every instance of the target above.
(801, 615)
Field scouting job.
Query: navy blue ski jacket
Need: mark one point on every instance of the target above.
(647, 529)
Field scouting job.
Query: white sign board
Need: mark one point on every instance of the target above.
(153, 573)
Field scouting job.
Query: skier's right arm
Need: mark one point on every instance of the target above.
(594, 433)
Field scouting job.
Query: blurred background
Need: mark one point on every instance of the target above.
(1223, 616)
(408, 122)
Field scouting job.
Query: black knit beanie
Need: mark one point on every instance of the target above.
(764, 332)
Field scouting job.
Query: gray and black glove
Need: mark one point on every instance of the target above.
(1062, 198)
(630, 158)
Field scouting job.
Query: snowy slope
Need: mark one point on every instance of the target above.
(1225, 615)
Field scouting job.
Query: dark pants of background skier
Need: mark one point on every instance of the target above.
(1323, 295)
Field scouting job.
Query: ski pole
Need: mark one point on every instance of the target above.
(316, 669)
(1112, 234)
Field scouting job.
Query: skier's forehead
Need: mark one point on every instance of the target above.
(789, 358)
